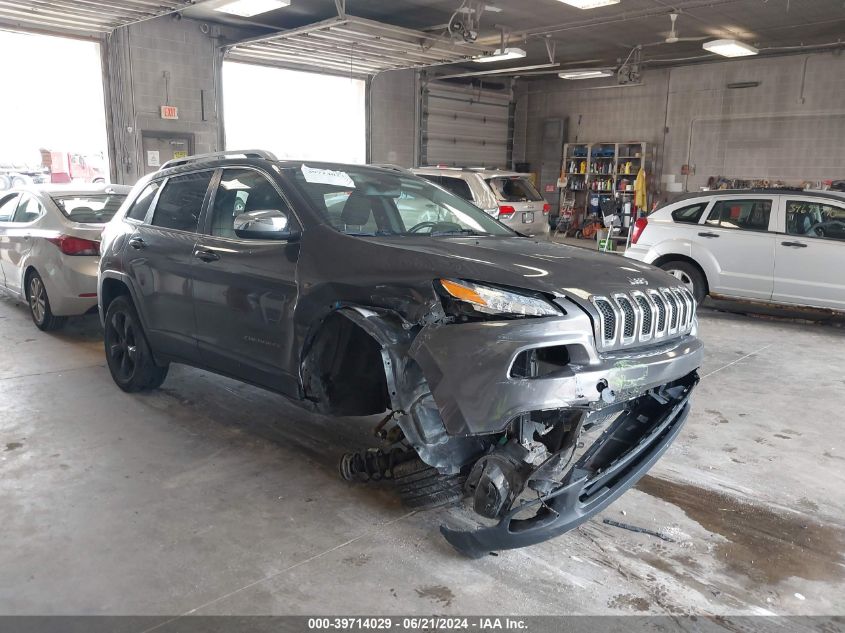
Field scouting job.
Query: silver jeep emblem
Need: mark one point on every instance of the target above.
(638, 281)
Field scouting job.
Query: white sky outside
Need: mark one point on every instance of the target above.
(294, 114)
(52, 98)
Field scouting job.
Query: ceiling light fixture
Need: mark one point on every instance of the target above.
(729, 48)
(585, 74)
(500, 56)
(249, 8)
(590, 4)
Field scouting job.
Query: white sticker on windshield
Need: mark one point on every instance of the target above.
(327, 177)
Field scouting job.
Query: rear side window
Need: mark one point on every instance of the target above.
(690, 214)
(8, 204)
(458, 186)
(139, 208)
(514, 189)
(29, 209)
(747, 215)
(180, 203)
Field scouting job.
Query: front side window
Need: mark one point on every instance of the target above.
(138, 210)
(514, 189)
(180, 203)
(370, 202)
(690, 214)
(747, 215)
(29, 209)
(90, 209)
(815, 219)
(8, 204)
(243, 191)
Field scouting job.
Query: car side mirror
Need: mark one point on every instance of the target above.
(264, 224)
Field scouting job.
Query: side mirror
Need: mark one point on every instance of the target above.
(264, 224)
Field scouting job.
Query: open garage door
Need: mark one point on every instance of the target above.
(295, 114)
(52, 115)
(466, 126)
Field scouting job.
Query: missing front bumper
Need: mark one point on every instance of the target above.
(600, 476)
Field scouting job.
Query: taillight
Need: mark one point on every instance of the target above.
(639, 227)
(506, 212)
(70, 245)
(547, 208)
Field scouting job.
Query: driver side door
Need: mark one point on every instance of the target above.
(810, 254)
(245, 287)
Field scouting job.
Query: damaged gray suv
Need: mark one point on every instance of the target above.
(538, 380)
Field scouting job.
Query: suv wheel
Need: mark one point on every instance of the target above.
(128, 354)
(688, 275)
(39, 305)
(422, 487)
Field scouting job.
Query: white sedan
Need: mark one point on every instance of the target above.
(50, 247)
(774, 246)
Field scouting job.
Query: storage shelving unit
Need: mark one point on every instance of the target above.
(603, 168)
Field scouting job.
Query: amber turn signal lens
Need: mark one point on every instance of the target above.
(464, 293)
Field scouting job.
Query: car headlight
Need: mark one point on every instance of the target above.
(489, 300)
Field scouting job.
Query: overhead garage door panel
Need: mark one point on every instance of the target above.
(466, 126)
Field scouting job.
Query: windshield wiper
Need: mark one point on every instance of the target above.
(456, 232)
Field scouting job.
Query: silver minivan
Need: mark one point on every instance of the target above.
(507, 195)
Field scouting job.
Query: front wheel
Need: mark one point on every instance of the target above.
(39, 305)
(688, 275)
(128, 354)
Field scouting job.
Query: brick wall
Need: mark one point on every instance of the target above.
(791, 127)
(138, 57)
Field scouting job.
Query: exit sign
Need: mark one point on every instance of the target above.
(169, 112)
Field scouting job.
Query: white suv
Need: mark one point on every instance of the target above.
(776, 246)
(506, 195)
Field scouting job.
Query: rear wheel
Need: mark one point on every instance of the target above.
(421, 487)
(39, 305)
(688, 275)
(128, 354)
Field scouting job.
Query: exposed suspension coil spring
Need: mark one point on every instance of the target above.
(372, 464)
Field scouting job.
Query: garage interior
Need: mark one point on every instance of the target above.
(213, 497)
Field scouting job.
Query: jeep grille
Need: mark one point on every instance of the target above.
(639, 317)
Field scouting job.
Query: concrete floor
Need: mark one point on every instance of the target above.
(212, 497)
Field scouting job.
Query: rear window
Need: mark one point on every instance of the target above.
(690, 214)
(514, 189)
(90, 209)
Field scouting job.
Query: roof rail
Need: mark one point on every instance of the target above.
(246, 153)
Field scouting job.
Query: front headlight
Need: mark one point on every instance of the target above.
(489, 300)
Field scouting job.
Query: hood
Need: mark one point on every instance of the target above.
(541, 266)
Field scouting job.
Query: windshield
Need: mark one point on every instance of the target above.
(89, 209)
(373, 202)
(514, 189)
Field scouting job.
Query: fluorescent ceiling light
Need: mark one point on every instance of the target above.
(249, 8)
(729, 48)
(585, 74)
(500, 56)
(590, 4)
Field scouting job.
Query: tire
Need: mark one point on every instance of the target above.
(5, 182)
(19, 181)
(421, 487)
(128, 353)
(689, 275)
(39, 305)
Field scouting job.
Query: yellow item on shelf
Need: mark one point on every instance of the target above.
(583, 167)
(640, 189)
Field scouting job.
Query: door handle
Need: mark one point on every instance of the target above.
(708, 234)
(137, 243)
(795, 244)
(206, 256)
